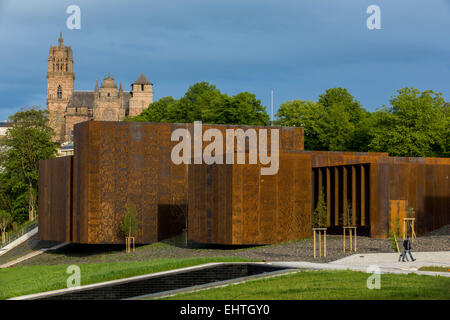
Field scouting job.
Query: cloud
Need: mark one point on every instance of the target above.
(300, 48)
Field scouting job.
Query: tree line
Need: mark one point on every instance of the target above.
(414, 124)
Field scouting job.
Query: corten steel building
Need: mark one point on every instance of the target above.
(83, 198)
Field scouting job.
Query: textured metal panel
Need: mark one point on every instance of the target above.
(122, 165)
(264, 209)
(421, 182)
(54, 198)
(363, 196)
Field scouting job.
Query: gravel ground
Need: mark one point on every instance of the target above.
(301, 250)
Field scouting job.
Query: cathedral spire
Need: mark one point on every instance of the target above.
(60, 40)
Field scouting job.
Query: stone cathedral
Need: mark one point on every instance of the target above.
(67, 107)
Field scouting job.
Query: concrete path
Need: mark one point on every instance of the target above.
(441, 259)
(32, 254)
(386, 262)
(18, 241)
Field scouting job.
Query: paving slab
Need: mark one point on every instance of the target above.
(385, 262)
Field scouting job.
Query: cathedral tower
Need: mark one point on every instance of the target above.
(60, 85)
(108, 105)
(141, 95)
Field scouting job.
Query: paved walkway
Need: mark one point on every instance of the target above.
(386, 262)
(31, 255)
(441, 258)
(18, 241)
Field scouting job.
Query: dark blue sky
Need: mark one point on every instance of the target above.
(297, 48)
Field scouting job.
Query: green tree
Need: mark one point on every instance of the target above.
(347, 215)
(337, 122)
(319, 218)
(335, 130)
(201, 99)
(156, 111)
(26, 142)
(6, 197)
(415, 125)
(394, 234)
(204, 102)
(340, 96)
(130, 224)
(5, 220)
(243, 108)
(345, 118)
(306, 114)
(411, 212)
(446, 151)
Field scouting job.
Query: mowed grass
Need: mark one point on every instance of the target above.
(435, 269)
(18, 281)
(318, 285)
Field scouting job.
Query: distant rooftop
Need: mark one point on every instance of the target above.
(142, 80)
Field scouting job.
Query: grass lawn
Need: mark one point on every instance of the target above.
(329, 285)
(17, 281)
(436, 269)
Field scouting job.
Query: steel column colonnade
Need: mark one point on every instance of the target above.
(343, 185)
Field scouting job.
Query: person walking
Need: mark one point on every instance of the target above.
(403, 256)
(407, 249)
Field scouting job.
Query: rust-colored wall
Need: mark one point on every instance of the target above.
(422, 182)
(330, 158)
(54, 216)
(121, 164)
(236, 205)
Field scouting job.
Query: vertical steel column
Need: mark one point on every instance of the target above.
(328, 197)
(336, 196)
(344, 193)
(354, 195)
(363, 196)
(319, 175)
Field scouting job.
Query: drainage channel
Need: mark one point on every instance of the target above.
(164, 282)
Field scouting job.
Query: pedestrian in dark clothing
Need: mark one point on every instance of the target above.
(406, 249)
(403, 256)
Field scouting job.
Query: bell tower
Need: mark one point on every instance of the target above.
(60, 86)
(141, 95)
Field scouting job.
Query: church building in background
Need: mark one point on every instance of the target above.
(67, 107)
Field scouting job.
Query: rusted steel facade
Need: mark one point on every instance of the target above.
(424, 184)
(236, 205)
(369, 183)
(55, 205)
(83, 198)
(118, 165)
